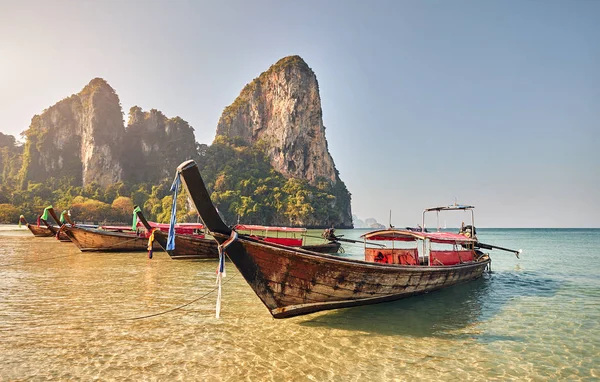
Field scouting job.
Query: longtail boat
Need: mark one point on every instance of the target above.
(288, 236)
(36, 230)
(292, 282)
(188, 245)
(56, 229)
(106, 240)
(121, 238)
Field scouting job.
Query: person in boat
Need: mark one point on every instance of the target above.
(468, 231)
(329, 234)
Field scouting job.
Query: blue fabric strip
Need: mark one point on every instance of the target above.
(174, 189)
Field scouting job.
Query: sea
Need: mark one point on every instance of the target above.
(68, 315)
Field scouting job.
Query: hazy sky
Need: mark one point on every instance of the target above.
(491, 103)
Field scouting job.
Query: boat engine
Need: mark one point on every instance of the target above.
(468, 231)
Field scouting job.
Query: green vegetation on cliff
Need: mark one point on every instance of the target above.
(10, 163)
(242, 183)
(244, 186)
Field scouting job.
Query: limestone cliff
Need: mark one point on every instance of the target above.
(83, 138)
(282, 107)
(281, 110)
(155, 145)
(79, 137)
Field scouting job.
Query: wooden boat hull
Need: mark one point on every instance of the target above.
(39, 231)
(332, 247)
(89, 239)
(293, 282)
(189, 247)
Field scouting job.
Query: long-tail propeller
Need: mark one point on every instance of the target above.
(489, 246)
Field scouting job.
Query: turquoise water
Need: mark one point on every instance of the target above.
(66, 315)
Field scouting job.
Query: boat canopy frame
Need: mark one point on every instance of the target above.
(452, 207)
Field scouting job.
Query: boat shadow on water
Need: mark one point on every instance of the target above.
(444, 313)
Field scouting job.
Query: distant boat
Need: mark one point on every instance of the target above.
(36, 230)
(44, 228)
(188, 245)
(122, 238)
(287, 236)
(293, 281)
(56, 231)
(106, 240)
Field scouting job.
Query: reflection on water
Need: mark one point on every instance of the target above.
(437, 315)
(71, 315)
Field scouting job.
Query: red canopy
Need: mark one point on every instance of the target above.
(405, 235)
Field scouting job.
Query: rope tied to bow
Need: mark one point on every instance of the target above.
(221, 268)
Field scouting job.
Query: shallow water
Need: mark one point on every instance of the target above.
(71, 315)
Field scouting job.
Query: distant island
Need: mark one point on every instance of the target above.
(367, 223)
(269, 163)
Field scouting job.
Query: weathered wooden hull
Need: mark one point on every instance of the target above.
(189, 247)
(39, 231)
(294, 282)
(332, 247)
(89, 239)
(62, 236)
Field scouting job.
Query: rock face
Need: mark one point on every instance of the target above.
(81, 137)
(281, 111)
(282, 108)
(155, 145)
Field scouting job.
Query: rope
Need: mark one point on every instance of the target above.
(41, 324)
(178, 307)
(221, 269)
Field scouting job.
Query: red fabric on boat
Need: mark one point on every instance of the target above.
(445, 237)
(450, 257)
(404, 256)
(405, 235)
(289, 241)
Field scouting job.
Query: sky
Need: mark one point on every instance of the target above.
(425, 103)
